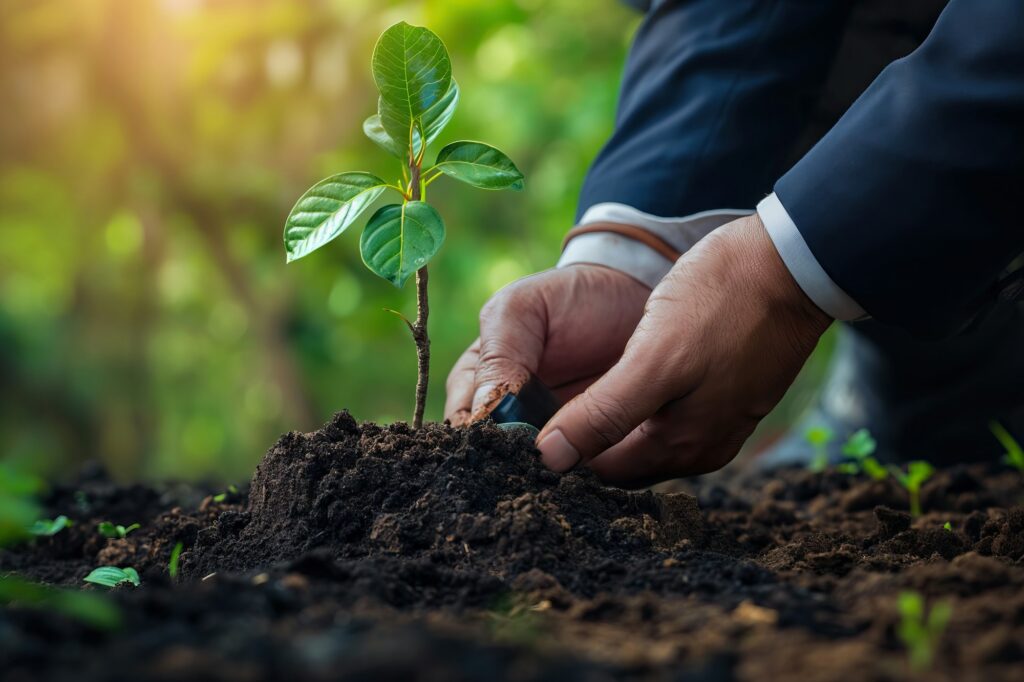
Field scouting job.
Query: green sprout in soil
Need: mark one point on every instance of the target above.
(819, 437)
(111, 530)
(172, 565)
(49, 527)
(112, 576)
(948, 526)
(1014, 452)
(917, 473)
(418, 97)
(220, 497)
(91, 609)
(860, 447)
(921, 632)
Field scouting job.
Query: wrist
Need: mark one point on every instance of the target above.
(777, 288)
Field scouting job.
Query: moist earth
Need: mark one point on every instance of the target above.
(368, 552)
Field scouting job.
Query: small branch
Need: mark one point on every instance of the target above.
(402, 317)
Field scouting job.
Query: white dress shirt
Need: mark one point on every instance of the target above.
(648, 266)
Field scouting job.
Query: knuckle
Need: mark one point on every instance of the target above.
(605, 418)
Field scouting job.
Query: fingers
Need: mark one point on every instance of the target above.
(603, 415)
(459, 387)
(513, 330)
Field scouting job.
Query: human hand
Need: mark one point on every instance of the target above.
(722, 338)
(567, 326)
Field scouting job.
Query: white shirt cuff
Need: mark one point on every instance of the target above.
(802, 264)
(632, 257)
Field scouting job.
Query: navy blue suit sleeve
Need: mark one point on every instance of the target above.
(714, 95)
(910, 203)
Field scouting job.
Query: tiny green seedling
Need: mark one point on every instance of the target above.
(49, 527)
(917, 473)
(948, 526)
(220, 497)
(172, 565)
(418, 97)
(860, 447)
(819, 437)
(1014, 455)
(920, 632)
(112, 576)
(111, 530)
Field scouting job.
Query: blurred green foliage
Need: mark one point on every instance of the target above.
(149, 153)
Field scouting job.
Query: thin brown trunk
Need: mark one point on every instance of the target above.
(419, 327)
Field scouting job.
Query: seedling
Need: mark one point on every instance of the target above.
(112, 576)
(948, 526)
(920, 632)
(819, 437)
(860, 447)
(418, 97)
(49, 527)
(917, 473)
(110, 530)
(172, 565)
(1014, 452)
(220, 497)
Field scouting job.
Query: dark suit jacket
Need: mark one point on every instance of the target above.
(909, 203)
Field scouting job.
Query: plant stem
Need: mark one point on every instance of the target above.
(419, 327)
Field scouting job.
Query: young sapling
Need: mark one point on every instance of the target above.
(111, 530)
(418, 97)
(921, 632)
(819, 437)
(172, 564)
(1014, 455)
(112, 576)
(917, 473)
(860, 447)
(49, 527)
(220, 497)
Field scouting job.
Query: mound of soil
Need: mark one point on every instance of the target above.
(368, 552)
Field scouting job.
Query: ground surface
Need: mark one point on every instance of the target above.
(360, 552)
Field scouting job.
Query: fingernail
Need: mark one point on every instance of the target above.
(557, 452)
(483, 395)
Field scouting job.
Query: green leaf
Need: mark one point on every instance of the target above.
(1014, 452)
(172, 565)
(480, 165)
(432, 122)
(112, 576)
(400, 239)
(413, 72)
(860, 444)
(49, 527)
(326, 209)
(818, 435)
(110, 530)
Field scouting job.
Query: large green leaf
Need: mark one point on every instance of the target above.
(432, 122)
(326, 209)
(413, 72)
(400, 239)
(479, 165)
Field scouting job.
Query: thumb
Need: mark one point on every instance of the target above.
(608, 411)
(513, 330)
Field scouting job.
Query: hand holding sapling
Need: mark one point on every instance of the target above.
(418, 97)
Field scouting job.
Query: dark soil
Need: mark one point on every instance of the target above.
(365, 552)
